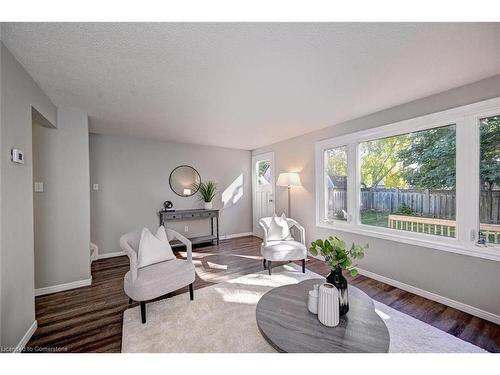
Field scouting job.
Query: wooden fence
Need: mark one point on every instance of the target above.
(439, 204)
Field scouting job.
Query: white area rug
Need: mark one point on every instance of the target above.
(221, 319)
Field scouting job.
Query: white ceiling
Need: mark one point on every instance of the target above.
(245, 85)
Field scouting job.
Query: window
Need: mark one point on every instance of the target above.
(264, 172)
(431, 181)
(408, 182)
(336, 183)
(489, 180)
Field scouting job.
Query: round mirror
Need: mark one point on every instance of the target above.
(184, 181)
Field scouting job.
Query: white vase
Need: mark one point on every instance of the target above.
(312, 301)
(208, 205)
(328, 305)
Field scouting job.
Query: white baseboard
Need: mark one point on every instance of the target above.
(63, 287)
(235, 235)
(31, 330)
(111, 255)
(434, 297)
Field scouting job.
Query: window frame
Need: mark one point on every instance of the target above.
(466, 119)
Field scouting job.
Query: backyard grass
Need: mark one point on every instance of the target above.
(378, 219)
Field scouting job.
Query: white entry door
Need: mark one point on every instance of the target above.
(263, 188)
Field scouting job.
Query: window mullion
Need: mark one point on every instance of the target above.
(352, 183)
(467, 185)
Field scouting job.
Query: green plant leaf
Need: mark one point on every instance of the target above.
(354, 272)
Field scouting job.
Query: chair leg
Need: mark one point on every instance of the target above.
(269, 263)
(143, 312)
(303, 266)
(130, 301)
(191, 292)
(264, 264)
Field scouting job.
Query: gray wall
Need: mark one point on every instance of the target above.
(61, 162)
(462, 278)
(133, 173)
(18, 94)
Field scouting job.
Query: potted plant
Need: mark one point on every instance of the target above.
(206, 193)
(338, 258)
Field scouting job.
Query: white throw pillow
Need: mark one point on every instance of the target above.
(161, 234)
(153, 250)
(278, 229)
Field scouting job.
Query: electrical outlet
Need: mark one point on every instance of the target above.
(186, 229)
(95, 187)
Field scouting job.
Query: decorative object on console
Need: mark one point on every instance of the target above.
(338, 258)
(289, 179)
(183, 179)
(328, 305)
(312, 300)
(167, 206)
(206, 193)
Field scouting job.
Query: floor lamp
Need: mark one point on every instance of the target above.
(288, 179)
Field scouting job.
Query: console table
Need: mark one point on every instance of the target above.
(194, 214)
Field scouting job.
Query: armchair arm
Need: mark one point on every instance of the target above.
(132, 256)
(264, 227)
(172, 234)
(293, 223)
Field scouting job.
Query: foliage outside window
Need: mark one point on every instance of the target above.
(408, 181)
(489, 180)
(336, 183)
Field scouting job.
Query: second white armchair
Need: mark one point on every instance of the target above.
(282, 250)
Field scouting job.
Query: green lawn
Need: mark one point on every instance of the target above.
(378, 219)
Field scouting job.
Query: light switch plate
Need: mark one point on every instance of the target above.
(38, 187)
(17, 156)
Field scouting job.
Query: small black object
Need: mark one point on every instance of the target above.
(167, 205)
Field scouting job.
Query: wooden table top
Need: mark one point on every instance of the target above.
(286, 323)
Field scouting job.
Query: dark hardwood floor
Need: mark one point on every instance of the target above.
(89, 319)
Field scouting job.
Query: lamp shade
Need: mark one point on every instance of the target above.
(288, 179)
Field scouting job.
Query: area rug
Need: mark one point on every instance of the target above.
(221, 319)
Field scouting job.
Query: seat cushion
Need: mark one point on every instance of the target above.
(159, 279)
(284, 250)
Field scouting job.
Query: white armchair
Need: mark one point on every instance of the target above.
(284, 250)
(146, 283)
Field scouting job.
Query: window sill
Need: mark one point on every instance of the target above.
(443, 244)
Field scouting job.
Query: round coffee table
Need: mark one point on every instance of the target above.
(286, 323)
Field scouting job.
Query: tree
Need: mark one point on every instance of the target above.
(489, 167)
(428, 162)
(337, 161)
(490, 152)
(380, 162)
